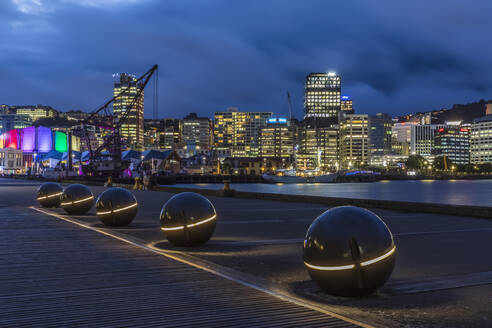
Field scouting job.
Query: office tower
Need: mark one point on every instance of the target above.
(322, 96)
(197, 132)
(422, 140)
(129, 110)
(277, 138)
(454, 143)
(239, 132)
(380, 128)
(354, 141)
(346, 104)
(169, 133)
(318, 148)
(481, 140)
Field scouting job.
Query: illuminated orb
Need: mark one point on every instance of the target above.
(188, 219)
(49, 194)
(349, 251)
(116, 207)
(77, 199)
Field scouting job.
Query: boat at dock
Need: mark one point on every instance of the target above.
(292, 176)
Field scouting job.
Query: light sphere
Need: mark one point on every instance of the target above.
(49, 194)
(188, 219)
(116, 207)
(77, 199)
(349, 251)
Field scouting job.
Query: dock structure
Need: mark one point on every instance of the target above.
(58, 274)
(65, 270)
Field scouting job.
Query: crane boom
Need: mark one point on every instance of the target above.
(113, 142)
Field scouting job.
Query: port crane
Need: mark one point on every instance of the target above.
(107, 156)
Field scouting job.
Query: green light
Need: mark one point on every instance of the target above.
(61, 144)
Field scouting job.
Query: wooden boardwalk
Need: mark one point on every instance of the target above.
(53, 273)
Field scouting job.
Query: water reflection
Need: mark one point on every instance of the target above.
(460, 192)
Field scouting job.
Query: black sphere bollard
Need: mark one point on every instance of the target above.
(349, 251)
(116, 207)
(49, 194)
(188, 219)
(77, 199)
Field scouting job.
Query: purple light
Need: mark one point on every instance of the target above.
(28, 139)
(44, 139)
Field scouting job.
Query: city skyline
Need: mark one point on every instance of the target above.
(212, 57)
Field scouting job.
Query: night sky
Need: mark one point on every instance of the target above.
(393, 56)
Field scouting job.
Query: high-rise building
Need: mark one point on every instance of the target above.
(169, 133)
(354, 141)
(197, 131)
(454, 143)
(129, 111)
(422, 140)
(34, 112)
(346, 104)
(277, 138)
(481, 140)
(380, 128)
(322, 96)
(239, 132)
(318, 148)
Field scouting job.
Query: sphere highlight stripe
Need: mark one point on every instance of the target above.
(330, 268)
(201, 222)
(377, 259)
(78, 201)
(46, 197)
(117, 210)
(190, 225)
(351, 266)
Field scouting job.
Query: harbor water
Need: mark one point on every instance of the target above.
(457, 192)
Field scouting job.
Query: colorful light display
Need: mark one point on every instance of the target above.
(44, 139)
(12, 139)
(61, 144)
(28, 143)
(2, 140)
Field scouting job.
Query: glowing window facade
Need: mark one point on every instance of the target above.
(61, 143)
(44, 139)
(28, 139)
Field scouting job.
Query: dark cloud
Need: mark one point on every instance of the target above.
(393, 57)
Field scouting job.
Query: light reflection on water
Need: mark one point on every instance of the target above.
(459, 192)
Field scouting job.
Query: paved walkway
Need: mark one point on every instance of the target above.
(54, 273)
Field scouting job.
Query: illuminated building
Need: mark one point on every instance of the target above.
(277, 138)
(132, 119)
(11, 161)
(12, 121)
(454, 143)
(354, 141)
(322, 96)
(239, 132)
(34, 112)
(197, 131)
(422, 140)
(481, 140)
(318, 148)
(169, 133)
(380, 128)
(44, 139)
(346, 104)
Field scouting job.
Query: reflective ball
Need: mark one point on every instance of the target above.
(49, 194)
(188, 219)
(77, 199)
(116, 207)
(349, 251)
